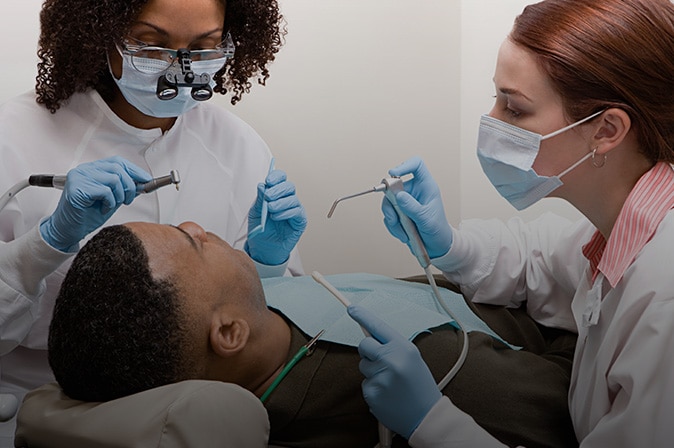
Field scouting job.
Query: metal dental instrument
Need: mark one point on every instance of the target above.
(172, 178)
(265, 209)
(306, 350)
(390, 186)
(58, 181)
(373, 189)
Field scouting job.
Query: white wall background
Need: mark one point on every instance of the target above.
(360, 86)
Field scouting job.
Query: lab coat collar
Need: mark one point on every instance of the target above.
(646, 206)
(145, 135)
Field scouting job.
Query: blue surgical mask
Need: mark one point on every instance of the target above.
(507, 155)
(139, 88)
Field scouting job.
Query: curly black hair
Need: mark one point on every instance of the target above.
(116, 330)
(76, 34)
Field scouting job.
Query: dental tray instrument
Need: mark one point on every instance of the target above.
(58, 181)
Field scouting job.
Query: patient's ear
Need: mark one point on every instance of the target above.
(229, 334)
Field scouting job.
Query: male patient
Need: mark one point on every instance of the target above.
(145, 305)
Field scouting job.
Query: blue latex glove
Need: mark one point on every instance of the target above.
(398, 386)
(286, 221)
(92, 193)
(421, 201)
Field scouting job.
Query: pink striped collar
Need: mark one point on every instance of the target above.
(644, 209)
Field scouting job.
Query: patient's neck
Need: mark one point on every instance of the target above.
(265, 354)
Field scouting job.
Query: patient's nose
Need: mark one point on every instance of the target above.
(195, 230)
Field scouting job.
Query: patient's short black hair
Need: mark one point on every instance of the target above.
(116, 330)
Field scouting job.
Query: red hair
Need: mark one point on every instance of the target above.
(609, 53)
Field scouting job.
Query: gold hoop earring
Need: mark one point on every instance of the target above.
(594, 160)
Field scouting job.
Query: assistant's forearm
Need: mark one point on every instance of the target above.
(447, 426)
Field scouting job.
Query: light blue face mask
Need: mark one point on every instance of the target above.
(139, 89)
(507, 155)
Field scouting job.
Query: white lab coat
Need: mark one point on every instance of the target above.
(622, 384)
(220, 160)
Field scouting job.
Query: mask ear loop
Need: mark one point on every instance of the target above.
(594, 160)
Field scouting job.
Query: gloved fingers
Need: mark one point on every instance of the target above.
(370, 368)
(117, 173)
(295, 216)
(392, 222)
(255, 211)
(83, 192)
(121, 183)
(370, 349)
(409, 205)
(130, 174)
(409, 166)
(423, 187)
(379, 329)
(279, 190)
(137, 174)
(275, 177)
(277, 204)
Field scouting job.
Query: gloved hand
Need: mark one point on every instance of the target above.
(286, 220)
(422, 203)
(92, 193)
(398, 386)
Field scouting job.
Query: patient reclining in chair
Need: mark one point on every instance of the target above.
(144, 305)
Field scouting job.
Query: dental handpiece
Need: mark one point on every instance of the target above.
(59, 180)
(394, 185)
(172, 178)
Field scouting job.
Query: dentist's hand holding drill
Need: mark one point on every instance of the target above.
(92, 194)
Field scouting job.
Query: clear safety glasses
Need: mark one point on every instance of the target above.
(151, 60)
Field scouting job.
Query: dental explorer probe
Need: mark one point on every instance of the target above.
(58, 181)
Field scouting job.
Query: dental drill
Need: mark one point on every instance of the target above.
(59, 181)
(390, 186)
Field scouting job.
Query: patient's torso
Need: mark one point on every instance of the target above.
(521, 398)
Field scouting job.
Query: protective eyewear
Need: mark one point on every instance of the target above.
(152, 60)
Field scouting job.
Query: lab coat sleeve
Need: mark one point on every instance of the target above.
(292, 267)
(446, 426)
(537, 263)
(25, 262)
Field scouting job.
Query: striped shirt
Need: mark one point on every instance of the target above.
(648, 202)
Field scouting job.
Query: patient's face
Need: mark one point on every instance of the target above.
(205, 268)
